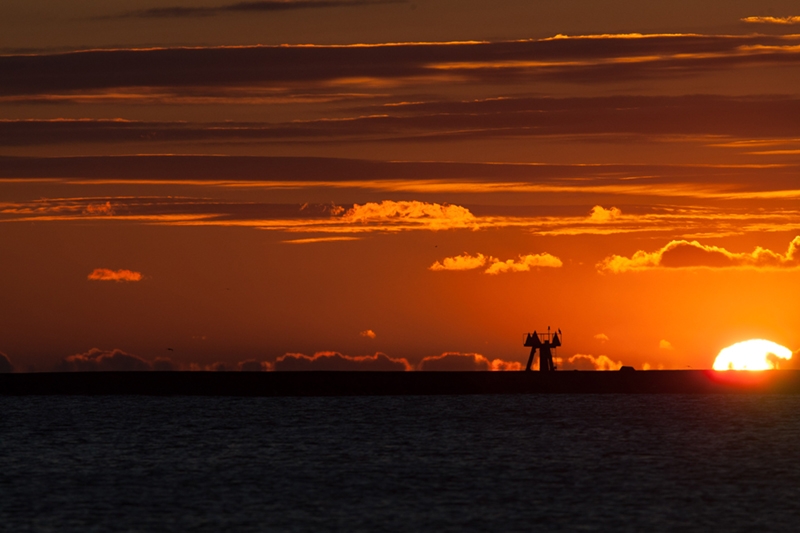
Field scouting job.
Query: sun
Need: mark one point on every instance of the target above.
(751, 355)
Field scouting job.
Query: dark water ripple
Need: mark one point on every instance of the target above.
(455, 463)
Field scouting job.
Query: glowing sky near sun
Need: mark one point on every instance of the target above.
(752, 355)
(207, 186)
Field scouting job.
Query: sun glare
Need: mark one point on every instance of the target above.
(751, 355)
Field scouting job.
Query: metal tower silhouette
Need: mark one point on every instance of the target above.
(545, 343)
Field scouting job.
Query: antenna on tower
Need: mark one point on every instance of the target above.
(546, 343)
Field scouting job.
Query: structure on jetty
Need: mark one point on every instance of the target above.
(545, 343)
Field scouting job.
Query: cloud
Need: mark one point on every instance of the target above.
(726, 181)
(262, 6)
(219, 366)
(337, 361)
(410, 215)
(499, 364)
(251, 365)
(459, 262)
(457, 361)
(685, 254)
(600, 214)
(165, 364)
(772, 20)
(602, 337)
(524, 264)
(587, 362)
(665, 345)
(105, 274)
(466, 261)
(327, 221)
(368, 333)
(648, 366)
(320, 239)
(99, 209)
(97, 360)
(609, 118)
(5, 364)
(577, 59)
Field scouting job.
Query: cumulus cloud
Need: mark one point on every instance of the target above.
(5, 364)
(602, 337)
(524, 264)
(368, 333)
(165, 364)
(588, 362)
(499, 364)
(686, 254)
(464, 261)
(251, 365)
(665, 345)
(411, 215)
(337, 361)
(600, 214)
(772, 20)
(457, 361)
(97, 360)
(105, 274)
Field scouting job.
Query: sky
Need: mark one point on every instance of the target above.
(396, 185)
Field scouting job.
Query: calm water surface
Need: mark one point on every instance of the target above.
(454, 463)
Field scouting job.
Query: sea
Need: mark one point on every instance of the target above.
(400, 463)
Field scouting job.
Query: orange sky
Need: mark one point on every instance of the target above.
(200, 184)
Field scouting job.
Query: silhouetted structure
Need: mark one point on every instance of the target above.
(545, 343)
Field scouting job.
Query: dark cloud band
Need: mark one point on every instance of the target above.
(268, 6)
(646, 118)
(607, 58)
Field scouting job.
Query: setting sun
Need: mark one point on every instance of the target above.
(751, 355)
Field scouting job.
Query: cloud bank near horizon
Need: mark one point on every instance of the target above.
(117, 360)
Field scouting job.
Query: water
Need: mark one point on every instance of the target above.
(454, 463)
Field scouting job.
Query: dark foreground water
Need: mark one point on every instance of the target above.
(446, 463)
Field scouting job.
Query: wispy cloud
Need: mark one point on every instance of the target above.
(264, 6)
(368, 333)
(333, 223)
(106, 274)
(312, 240)
(686, 254)
(704, 119)
(772, 20)
(580, 59)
